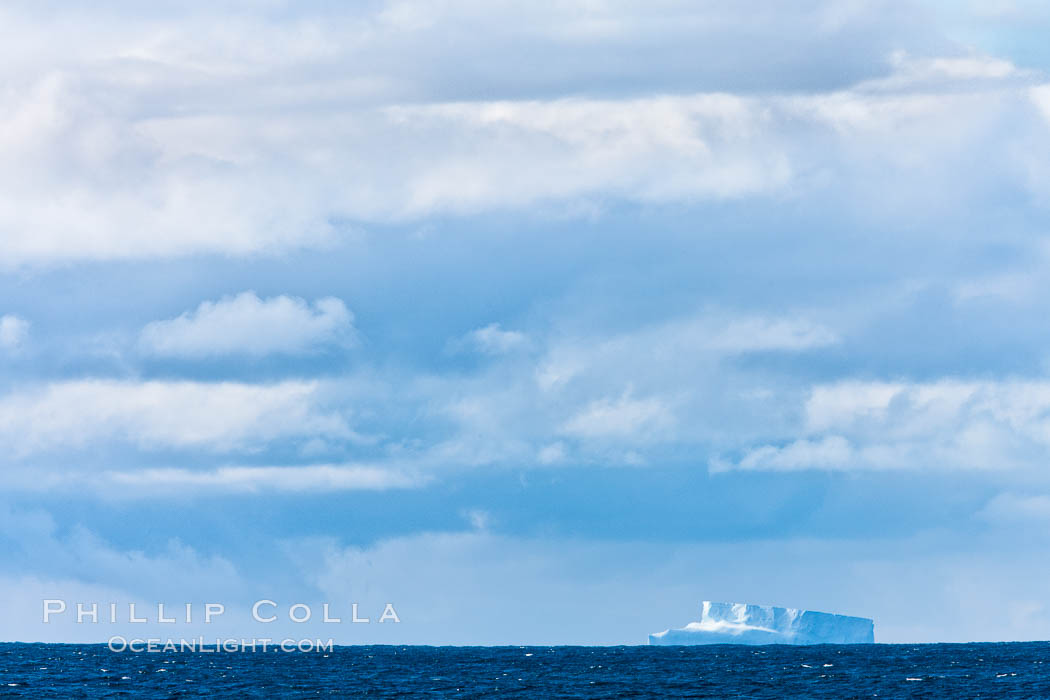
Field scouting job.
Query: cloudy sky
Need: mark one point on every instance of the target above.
(542, 323)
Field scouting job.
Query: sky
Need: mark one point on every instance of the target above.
(541, 323)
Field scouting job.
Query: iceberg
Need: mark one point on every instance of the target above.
(741, 623)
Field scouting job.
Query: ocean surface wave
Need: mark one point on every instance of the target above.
(1014, 670)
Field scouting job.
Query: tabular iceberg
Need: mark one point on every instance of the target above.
(740, 623)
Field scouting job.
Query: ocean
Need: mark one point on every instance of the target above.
(1014, 670)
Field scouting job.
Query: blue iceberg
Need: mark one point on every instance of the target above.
(741, 623)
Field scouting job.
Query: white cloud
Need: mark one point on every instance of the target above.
(161, 414)
(552, 453)
(250, 325)
(13, 331)
(479, 519)
(650, 149)
(1025, 510)
(829, 404)
(944, 425)
(323, 478)
(941, 72)
(624, 417)
(666, 385)
(829, 453)
(678, 347)
(1040, 96)
(976, 67)
(772, 334)
(493, 340)
(1012, 287)
(241, 184)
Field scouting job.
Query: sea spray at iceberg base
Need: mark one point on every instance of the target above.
(740, 623)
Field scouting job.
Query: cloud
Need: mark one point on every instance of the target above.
(1024, 510)
(479, 519)
(661, 149)
(567, 588)
(829, 453)
(1012, 287)
(149, 138)
(221, 417)
(35, 544)
(829, 405)
(932, 426)
(493, 340)
(670, 387)
(13, 332)
(1040, 96)
(447, 585)
(323, 478)
(248, 183)
(246, 324)
(772, 334)
(678, 347)
(621, 418)
(42, 560)
(552, 453)
(947, 73)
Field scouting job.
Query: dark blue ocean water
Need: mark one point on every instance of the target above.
(863, 671)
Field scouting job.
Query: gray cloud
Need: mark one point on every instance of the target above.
(152, 135)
